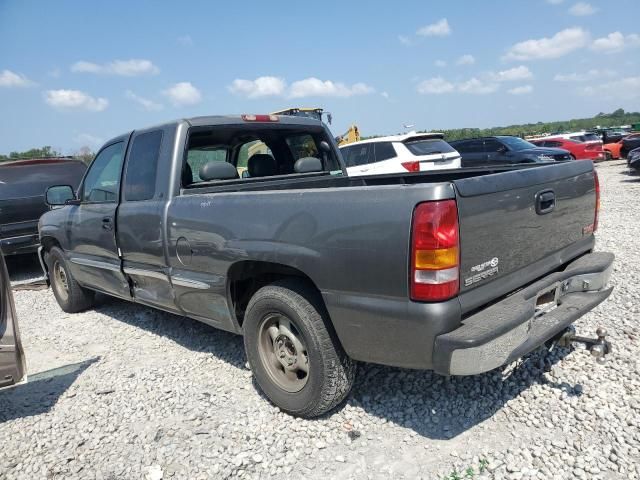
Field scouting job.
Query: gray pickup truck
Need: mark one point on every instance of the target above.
(250, 224)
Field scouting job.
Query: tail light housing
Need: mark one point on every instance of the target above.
(597, 213)
(435, 251)
(411, 166)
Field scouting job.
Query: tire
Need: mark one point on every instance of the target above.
(307, 338)
(607, 155)
(71, 297)
(573, 157)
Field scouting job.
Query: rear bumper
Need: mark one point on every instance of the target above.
(515, 326)
(21, 244)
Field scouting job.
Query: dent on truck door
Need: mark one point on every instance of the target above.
(93, 252)
(12, 361)
(140, 225)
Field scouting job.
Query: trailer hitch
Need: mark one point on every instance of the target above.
(598, 347)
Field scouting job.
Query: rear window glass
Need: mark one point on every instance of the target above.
(431, 146)
(256, 151)
(197, 158)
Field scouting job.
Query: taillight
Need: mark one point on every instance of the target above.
(595, 218)
(411, 166)
(435, 251)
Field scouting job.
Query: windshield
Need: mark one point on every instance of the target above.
(430, 146)
(516, 143)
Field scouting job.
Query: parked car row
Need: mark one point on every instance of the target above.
(578, 150)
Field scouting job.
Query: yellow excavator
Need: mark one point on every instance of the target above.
(350, 136)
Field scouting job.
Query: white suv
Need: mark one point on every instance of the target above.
(412, 152)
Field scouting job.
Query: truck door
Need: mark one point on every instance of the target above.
(140, 217)
(472, 152)
(93, 252)
(496, 152)
(12, 360)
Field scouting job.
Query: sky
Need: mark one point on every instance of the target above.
(76, 73)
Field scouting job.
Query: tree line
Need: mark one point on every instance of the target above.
(84, 154)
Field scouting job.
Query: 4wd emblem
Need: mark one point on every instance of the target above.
(485, 270)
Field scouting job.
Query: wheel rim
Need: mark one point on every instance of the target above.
(61, 283)
(283, 352)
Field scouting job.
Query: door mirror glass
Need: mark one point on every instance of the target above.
(58, 195)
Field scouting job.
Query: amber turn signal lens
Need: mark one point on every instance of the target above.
(436, 259)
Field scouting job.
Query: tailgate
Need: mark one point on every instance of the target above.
(509, 227)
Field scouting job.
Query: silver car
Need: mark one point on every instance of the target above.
(13, 367)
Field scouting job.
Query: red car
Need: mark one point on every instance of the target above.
(578, 150)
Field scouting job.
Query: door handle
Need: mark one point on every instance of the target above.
(545, 201)
(107, 223)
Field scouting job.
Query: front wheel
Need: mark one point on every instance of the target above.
(70, 295)
(295, 357)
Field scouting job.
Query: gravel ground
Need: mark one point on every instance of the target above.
(126, 392)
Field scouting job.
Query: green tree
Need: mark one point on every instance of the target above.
(42, 152)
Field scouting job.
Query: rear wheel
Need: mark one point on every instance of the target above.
(69, 294)
(607, 155)
(295, 357)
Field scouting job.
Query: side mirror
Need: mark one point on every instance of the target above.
(59, 195)
(503, 149)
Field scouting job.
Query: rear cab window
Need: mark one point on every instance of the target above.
(256, 151)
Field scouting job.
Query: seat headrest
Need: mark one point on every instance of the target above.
(307, 165)
(262, 165)
(218, 170)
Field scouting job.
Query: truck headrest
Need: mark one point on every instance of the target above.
(307, 165)
(218, 170)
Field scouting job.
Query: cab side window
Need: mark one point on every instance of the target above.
(142, 167)
(102, 182)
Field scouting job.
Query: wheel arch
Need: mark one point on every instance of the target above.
(246, 277)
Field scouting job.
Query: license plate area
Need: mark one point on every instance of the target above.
(547, 299)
